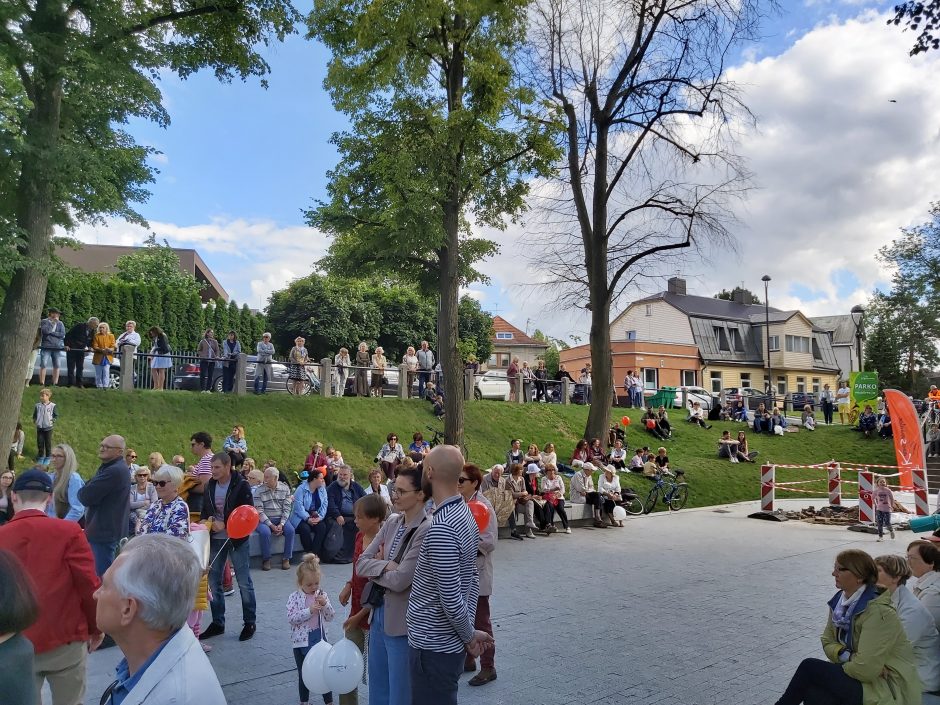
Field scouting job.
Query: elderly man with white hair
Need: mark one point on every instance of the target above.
(273, 502)
(143, 602)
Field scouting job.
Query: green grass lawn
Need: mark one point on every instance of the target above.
(282, 428)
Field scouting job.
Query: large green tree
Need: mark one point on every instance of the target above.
(441, 138)
(154, 263)
(72, 75)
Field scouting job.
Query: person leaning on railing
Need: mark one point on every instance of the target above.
(265, 352)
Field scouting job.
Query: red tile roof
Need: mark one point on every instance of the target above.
(501, 325)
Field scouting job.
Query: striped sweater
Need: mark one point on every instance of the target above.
(445, 588)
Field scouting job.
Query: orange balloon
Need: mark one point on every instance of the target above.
(481, 514)
(242, 521)
(625, 420)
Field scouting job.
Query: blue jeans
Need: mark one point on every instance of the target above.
(389, 677)
(239, 557)
(300, 653)
(434, 676)
(103, 554)
(424, 376)
(262, 373)
(101, 373)
(264, 536)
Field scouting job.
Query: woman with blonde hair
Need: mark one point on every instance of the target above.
(378, 371)
(410, 360)
(362, 370)
(341, 366)
(103, 345)
(154, 461)
(297, 360)
(66, 482)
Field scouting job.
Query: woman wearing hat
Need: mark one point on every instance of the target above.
(516, 484)
(582, 492)
(608, 487)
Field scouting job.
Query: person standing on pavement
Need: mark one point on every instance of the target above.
(425, 367)
(52, 341)
(143, 603)
(107, 501)
(77, 343)
(442, 606)
(63, 576)
(470, 480)
(225, 491)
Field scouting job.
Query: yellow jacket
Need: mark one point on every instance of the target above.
(102, 341)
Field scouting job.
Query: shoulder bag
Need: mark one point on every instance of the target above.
(373, 594)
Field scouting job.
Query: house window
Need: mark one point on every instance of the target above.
(774, 343)
(745, 379)
(781, 385)
(815, 385)
(631, 335)
(801, 385)
(649, 309)
(817, 354)
(504, 360)
(797, 344)
(504, 336)
(767, 384)
(492, 362)
(736, 341)
(716, 382)
(721, 338)
(650, 378)
(688, 378)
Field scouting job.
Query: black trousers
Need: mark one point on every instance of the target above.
(818, 682)
(75, 363)
(206, 368)
(559, 509)
(827, 411)
(311, 537)
(43, 442)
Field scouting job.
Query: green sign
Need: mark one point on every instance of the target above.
(864, 388)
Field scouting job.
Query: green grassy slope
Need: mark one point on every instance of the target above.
(282, 428)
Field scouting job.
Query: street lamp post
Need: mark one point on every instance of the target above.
(858, 316)
(770, 369)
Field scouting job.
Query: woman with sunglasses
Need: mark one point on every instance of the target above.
(143, 496)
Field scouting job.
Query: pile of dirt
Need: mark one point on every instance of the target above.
(838, 516)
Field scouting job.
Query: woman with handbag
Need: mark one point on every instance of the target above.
(389, 563)
(231, 349)
(552, 488)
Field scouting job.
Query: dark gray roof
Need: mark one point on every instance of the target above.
(775, 317)
(703, 331)
(707, 307)
(842, 328)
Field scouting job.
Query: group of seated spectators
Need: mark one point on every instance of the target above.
(881, 641)
(871, 424)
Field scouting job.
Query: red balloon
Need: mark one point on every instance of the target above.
(625, 420)
(241, 522)
(480, 514)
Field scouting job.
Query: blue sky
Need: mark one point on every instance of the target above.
(240, 163)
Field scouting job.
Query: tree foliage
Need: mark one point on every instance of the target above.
(727, 295)
(73, 75)
(442, 136)
(156, 263)
(924, 16)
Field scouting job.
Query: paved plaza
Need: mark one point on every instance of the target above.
(699, 607)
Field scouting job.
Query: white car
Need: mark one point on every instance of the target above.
(492, 385)
(699, 394)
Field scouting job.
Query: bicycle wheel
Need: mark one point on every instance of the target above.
(651, 498)
(679, 496)
(633, 506)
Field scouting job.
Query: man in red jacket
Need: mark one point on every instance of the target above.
(58, 559)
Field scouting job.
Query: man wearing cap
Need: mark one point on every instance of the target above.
(107, 500)
(265, 351)
(52, 340)
(77, 341)
(582, 492)
(59, 562)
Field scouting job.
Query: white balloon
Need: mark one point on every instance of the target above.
(620, 513)
(343, 667)
(312, 668)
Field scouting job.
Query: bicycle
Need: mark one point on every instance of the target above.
(308, 385)
(438, 437)
(675, 497)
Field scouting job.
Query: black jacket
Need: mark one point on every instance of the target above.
(238, 494)
(107, 500)
(334, 497)
(79, 337)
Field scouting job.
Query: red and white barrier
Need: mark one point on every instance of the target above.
(866, 512)
(921, 503)
(767, 473)
(835, 485)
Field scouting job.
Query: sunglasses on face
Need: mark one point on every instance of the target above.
(143, 474)
(461, 480)
(132, 457)
(161, 483)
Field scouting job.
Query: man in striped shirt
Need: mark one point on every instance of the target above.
(445, 587)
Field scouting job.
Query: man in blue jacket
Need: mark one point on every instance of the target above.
(342, 495)
(107, 500)
(224, 492)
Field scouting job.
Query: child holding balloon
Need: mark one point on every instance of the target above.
(308, 611)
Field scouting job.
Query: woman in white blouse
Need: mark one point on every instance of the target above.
(375, 486)
(924, 559)
(410, 360)
(893, 573)
(342, 365)
(552, 488)
(608, 487)
(548, 456)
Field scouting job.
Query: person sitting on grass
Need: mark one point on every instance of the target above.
(661, 459)
(596, 454)
(740, 412)
(742, 447)
(651, 422)
(439, 406)
(728, 448)
(532, 455)
(868, 422)
(884, 425)
(697, 415)
(808, 418)
(777, 420)
(580, 454)
(637, 461)
(618, 455)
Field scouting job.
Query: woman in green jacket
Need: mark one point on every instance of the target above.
(871, 662)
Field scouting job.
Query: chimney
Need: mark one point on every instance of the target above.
(676, 286)
(741, 296)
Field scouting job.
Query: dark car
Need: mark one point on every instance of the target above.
(88, 371)
(186, 376)
(800, 399)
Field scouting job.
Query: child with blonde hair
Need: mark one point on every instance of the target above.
(308, 611)
(883, 499)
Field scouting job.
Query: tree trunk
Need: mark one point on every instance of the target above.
(447, 342)
(22, 305)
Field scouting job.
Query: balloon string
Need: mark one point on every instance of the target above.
(217, 554)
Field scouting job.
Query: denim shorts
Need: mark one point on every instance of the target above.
(49, 358)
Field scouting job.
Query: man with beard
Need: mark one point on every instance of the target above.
(341, 495)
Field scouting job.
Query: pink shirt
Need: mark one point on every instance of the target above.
(883, 499)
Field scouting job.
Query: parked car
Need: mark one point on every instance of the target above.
(88, 371)
(492, 385)
(693, 394)
(389, 389)
(800, 399)
(735, 393)
(186, 376)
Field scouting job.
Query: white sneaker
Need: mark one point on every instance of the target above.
(880, 539)
(568, 530)
(530, 534)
